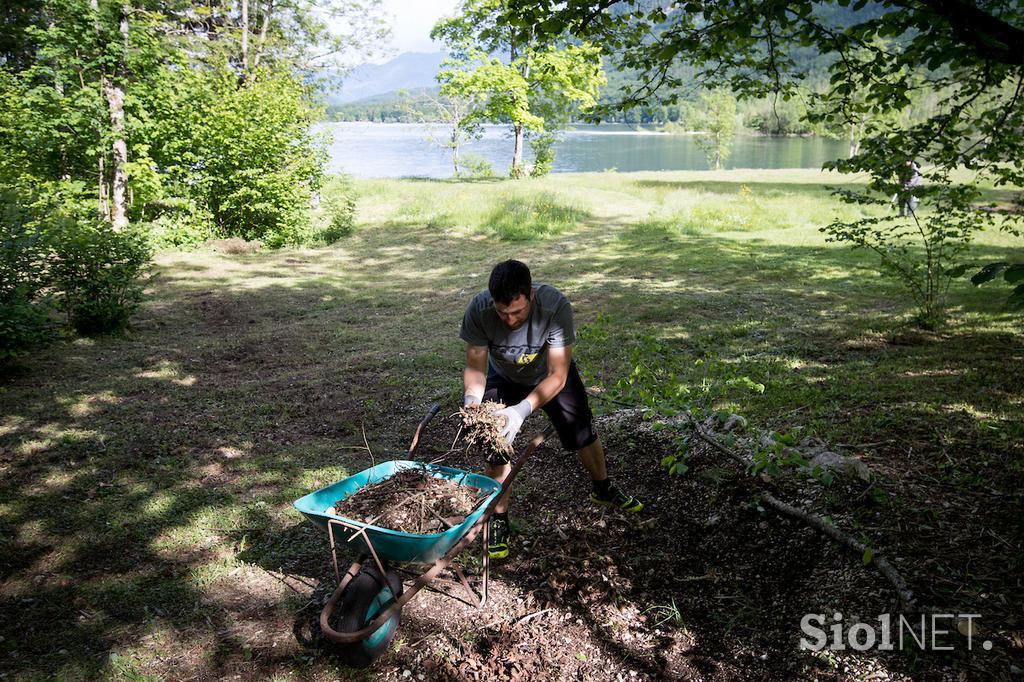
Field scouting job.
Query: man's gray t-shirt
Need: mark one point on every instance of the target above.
(520, 355)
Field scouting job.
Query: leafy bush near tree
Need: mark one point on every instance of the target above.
(243, 156)
(60, 263)
(24, 315)
(98, 276)
(543, 146)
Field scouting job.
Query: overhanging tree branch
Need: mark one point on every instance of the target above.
(992, 37)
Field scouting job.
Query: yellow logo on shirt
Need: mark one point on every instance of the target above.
(525, 359)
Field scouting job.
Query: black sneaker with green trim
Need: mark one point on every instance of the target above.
(497, 540)
(618, 499)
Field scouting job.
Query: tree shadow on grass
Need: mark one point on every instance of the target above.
(147, 480)
(780, 189)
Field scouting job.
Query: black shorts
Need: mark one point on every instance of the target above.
(569, 410)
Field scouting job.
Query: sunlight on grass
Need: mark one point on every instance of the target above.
(90, 404)
(535, 216)
(12, 424)
(203, 529)
(127, 668)
(213, 571)
(314, 479)
(971, 410)
(52, 435)
(158, 504)
(169, 371)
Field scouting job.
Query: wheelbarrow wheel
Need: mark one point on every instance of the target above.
(365, 597)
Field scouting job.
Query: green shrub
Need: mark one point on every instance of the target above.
(246, 154)
(97, 275)
(180, 225)
(341, 213)
(473, 166)
(25, 320)
(25, 323)
(543, 147)
(536, 216)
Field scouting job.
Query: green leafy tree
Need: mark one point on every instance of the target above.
(455, 114)
(245, 154)
(514, 76)
(719, 127)
(122, 112)
(963, 58)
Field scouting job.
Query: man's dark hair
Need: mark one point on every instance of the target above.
(509, 280)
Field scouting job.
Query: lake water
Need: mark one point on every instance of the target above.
(398, 149)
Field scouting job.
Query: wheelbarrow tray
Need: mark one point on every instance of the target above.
(391, 544)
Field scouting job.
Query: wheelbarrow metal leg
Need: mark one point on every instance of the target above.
(487, 559)
(359, 531)
(476, 597)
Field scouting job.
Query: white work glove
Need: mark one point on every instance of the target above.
(469, 400)
(514, 418)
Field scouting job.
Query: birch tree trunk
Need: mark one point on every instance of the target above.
(115, 103)
(454, 144)
(245, 39)
(117, 211)
(517, 127)
(262, 40)
(856, 131)
(101, 170)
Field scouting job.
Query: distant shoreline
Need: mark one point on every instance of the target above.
(575, 129)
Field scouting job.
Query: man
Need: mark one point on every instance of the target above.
(519, 351)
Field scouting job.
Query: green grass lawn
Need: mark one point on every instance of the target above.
(146, 481)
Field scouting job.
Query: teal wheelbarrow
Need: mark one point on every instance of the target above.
(370, 595)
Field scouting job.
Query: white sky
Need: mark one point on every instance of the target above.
(412, 22)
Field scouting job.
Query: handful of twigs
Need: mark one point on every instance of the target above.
(483, 431)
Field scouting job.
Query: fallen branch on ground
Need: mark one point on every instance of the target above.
(819, 523)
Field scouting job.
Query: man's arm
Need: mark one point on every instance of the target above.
(558, 372)
(554, 382)
(474, 377)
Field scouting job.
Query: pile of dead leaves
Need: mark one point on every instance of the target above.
(411, 501)
(483, 431)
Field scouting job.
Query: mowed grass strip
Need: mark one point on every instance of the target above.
(146, 480)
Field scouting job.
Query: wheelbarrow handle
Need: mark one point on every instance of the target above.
(519, 463)
(431, 413)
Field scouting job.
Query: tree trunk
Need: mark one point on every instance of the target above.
(117, 211)
(517, 128)
(245, 38)
(855, 133)
(58, 85)
(262, 40)
(517, 150)
(115, 103)
(455, 147)
(101, 170)
(103, 208)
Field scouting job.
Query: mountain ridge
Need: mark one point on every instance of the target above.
(407, 71)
